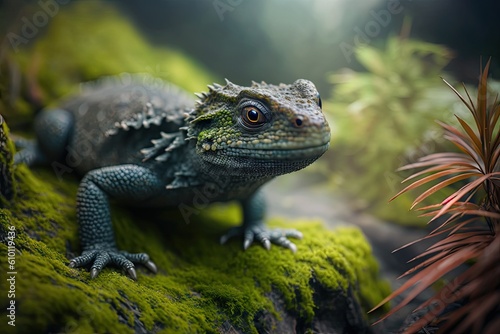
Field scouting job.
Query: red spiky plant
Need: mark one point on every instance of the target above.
(470, 226)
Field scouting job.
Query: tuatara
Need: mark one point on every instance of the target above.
(147, 143)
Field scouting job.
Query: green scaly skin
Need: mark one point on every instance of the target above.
(147, 143)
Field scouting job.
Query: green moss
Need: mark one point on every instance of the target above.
(89, 39)
(6, 162)
(200, 283)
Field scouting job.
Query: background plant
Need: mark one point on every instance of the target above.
(470, 222)
(384, 115)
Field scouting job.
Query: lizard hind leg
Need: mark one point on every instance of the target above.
(52, 129)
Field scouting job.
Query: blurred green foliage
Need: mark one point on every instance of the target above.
(385, 117)
(84, 41)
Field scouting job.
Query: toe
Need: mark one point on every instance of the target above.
(132, 273)
(284, 242)
(83, 260)
(141, 258)
(264, 238)
(257, 232)
(136, 257)
(101, 260)
(121, 261)
(94, 272)
(151, 266)
(248, 239)
(293, 234)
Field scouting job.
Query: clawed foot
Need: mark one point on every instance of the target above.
(263, 235)
(100, 258)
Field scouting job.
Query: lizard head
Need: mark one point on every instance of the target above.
(264, 130)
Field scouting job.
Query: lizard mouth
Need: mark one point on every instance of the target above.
(279, 153)
(263, 162)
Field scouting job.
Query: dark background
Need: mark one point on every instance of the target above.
(282, 40)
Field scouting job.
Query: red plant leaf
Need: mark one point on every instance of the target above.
(462, 224)
(440, 186)
(437, 187)
(469, 106)
(460, 168)
(425, 278)
(471, 133)
(466, 148)
(474, 219)
(447, 203)
(482, 100)
(447, 222)
(483, 213)
(458, 159)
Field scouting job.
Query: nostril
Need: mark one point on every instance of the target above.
(298, 122)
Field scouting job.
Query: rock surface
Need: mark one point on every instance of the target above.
(327, 204)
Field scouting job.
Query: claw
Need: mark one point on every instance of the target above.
(295, 234)
(263, 235)
(247, 243)
(132, 273)
(151, 266)
(93, 273)
(100, 258)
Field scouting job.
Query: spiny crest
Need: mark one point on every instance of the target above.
(256, 84)
(144, 119)
(162, 147)
(265, 85)
(208, 100)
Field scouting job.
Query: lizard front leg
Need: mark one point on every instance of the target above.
(124, 182)
(253, 227)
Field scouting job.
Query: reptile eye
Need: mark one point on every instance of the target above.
(252, 116)
(298, 122)
(320, 104)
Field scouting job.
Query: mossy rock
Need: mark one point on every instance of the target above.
(6, 155)
(201, 286)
